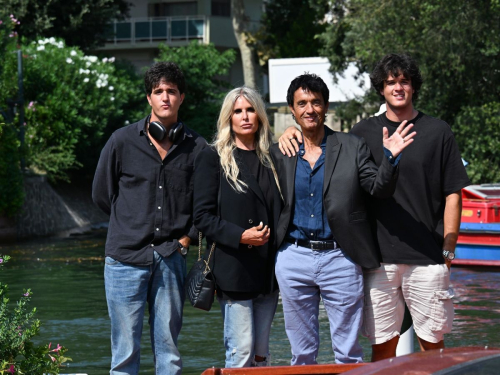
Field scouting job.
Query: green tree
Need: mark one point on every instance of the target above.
(457, 46)
(81, 23)
(71, 100)
(204, 68)
(69, 108)
(480, 142)
(242, 27)
(11, 179)
(290, 28)
(72, 103)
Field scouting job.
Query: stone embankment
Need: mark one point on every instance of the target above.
(64, 209)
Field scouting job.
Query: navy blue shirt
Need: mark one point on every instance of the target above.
(309, 216)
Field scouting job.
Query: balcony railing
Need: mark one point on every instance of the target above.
(140, 30)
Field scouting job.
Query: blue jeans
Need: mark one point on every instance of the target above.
(128, 288)
(247, 325)
(305, 275)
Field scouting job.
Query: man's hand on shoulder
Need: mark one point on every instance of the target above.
(289, 141)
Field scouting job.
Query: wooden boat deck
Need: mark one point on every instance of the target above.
(285, 370)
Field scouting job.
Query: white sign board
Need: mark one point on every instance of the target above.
(283, 71)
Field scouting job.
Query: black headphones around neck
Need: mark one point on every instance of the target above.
(158, 131)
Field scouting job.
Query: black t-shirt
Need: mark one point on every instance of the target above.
(262, 174)
(409, 225)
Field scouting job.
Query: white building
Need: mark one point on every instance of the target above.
(176, 23)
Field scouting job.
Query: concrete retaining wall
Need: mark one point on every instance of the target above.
(50, 211)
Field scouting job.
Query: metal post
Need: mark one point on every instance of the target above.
(20, 103)
(405, 344)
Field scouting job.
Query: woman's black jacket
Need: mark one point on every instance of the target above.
(237, 267)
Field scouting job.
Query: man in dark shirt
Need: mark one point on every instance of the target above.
(417, 228)
(323, 228)
(144, 181)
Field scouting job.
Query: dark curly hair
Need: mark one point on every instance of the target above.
(396, 64)
(310, 82)
(164, 71)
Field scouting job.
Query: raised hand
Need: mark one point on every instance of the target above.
(289, 141)
(401, 138)
(256, 236)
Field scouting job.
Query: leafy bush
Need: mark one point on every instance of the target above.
(71, 99)
(18, 355)
(11, 179)
(203, 66)
(477, 132)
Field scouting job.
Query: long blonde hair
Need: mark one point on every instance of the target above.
(224, 141)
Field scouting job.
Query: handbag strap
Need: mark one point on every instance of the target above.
(200, 235)
(207, 267)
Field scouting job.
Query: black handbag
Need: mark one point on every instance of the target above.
(200, 283)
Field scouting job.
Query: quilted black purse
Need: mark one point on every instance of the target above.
(200, 283)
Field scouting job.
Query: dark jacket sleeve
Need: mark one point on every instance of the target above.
(380, 181)
(206, 189)
(105, 185)
(193, 231)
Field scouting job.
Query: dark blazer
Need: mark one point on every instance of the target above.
(237, 267)
(350, 173)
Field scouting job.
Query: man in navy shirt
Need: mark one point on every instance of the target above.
(144, 181)
(323, 229)
(417, 228)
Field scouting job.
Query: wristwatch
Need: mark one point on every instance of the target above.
(184, 250)
(449, 255)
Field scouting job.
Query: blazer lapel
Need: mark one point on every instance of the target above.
(290, 169)
(332, 152)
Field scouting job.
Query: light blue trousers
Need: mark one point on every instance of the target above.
(247, 325)
(128, 289)
(305, 275)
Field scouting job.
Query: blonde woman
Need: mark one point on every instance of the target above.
(241, 218)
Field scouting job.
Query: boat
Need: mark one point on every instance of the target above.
(452, 361)
(479, 238)
(331, 369)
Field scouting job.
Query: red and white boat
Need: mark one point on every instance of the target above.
(479, 238)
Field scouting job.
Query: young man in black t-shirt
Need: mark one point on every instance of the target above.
(417, 228)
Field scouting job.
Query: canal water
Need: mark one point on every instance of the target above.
(66, 278)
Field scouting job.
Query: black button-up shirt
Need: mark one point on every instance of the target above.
(149, 200)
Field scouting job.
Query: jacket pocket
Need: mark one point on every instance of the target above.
(357, 216)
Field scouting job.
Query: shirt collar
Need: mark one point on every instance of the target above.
(141, 126)
(302, 150)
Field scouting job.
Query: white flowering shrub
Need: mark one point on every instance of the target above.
(70, 101)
